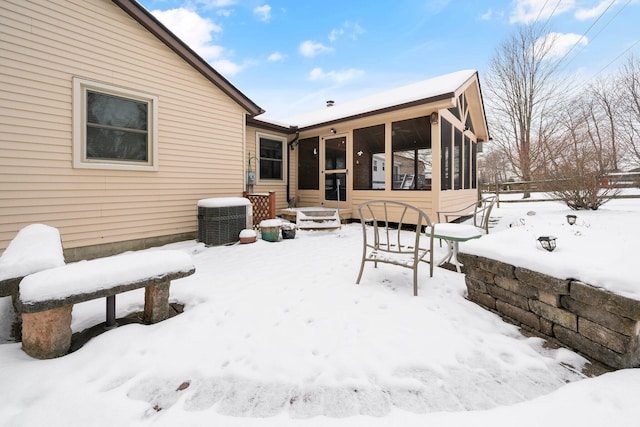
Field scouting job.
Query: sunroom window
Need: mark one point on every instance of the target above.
(368, 158)
(412, 156)
(309, 164)
(114, 128)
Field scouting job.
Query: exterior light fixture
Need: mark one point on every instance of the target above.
(547, 242)
(571, 219)
(332, 130)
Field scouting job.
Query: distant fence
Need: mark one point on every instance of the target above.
(622, 180)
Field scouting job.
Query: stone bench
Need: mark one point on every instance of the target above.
(36, 247)
(46, 298)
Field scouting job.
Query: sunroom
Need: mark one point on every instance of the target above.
(417, 144)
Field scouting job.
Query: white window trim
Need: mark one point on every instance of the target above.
(80, 88)
(284, 157)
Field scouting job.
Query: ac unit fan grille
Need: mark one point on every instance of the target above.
(221, 225)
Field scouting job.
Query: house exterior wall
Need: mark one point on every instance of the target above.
(43, 46)
(265, 186)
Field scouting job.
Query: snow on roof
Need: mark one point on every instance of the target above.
(272, 121)
(36, 247)
(425, 89)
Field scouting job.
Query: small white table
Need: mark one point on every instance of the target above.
(453, 234)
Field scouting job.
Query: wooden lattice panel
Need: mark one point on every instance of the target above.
(264, 206)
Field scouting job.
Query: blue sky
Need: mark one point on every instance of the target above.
(290, 56)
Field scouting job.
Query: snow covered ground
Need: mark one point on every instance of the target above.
(278, 334)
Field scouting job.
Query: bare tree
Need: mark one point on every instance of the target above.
(601, 118)
(493, 167)
(629, 85)
(579, 156)
(523, 93)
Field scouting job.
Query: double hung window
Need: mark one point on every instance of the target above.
(114, 128)
(271, 151)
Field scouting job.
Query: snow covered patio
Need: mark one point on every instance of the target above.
(277, 334)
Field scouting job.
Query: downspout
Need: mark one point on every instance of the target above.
(291, 145)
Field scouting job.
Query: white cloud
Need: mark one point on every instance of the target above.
(529, 10)
(560, 44)
(351, 30)
(216, 3)
(192, 29)
(335, 34)
(224, 12)
(491, 14)
(263, 12)
(276, 56)
(335, 76)
(227, 67)
(196, 32)
(584, 14)
(487, 15)
(310, 48)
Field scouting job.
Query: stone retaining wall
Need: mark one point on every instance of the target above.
(590, 320)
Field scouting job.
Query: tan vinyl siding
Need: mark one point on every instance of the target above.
(43, 45)
(280, 188)
(452, 200)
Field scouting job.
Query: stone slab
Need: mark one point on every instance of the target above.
(496, 267)
(523, 316)
(33, 307)
(615, 322)
(606, 300)
(556, 315)
(517, 287)
(481, 298)
(542, 281)
(508, 297)
(603, 336)
(590, 348)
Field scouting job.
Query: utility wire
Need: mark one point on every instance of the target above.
(616, 58)
(589, 29)
(552, 12)
(583, 36)
(541, 9)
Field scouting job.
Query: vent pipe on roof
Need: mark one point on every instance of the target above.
(330, 103)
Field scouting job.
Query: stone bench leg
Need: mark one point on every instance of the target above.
(156, 302)
(47, 334)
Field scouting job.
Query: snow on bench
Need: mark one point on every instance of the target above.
(46, 298)
(36, 247)
(80, 281)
